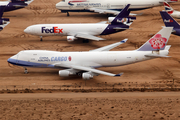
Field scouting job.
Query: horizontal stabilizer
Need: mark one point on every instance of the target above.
(120, 28)
(156, 56)
(109, 47)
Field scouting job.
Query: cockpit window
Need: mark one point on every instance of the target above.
(63, 0)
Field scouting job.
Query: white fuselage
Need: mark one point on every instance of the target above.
(175, 14)
(65, 29)
(108, 4)
(42, 58)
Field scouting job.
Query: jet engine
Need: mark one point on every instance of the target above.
(87, 76)
(71, 38)
(66, 73)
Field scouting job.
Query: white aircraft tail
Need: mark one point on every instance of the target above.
(158, 41)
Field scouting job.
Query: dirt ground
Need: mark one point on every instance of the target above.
(13, 40)
(91, 106)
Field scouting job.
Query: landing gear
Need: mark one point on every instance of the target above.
(79, 74)
(85, 41)
(68, 14)
(41, 38)
(25, 71)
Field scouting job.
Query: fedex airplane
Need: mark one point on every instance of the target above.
(106, 6)
(170, 22)
(84, 31)
(171, 11)
(15, 4)
(3, 21)
(86, 63)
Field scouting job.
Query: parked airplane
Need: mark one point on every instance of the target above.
(170, 22)
(106, 6)
(3, 21)
(171, 11)
(84, 31)
(85, 63)
(15, 4)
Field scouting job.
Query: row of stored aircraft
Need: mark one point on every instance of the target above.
(11, 5)
(85, 64)
(107, 6)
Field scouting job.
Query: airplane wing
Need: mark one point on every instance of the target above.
(88, 69)
(104, 11)
(109, 47)
(87, 36)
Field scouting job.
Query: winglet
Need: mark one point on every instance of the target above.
(158, 41)
(168, 20)
(118, 75)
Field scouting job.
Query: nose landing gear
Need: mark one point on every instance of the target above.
(25, 71)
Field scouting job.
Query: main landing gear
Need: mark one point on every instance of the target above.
(41, 38)
(85, 41)
(25, 71)
(68, 14)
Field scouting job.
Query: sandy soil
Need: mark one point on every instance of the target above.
(90, 106)
(13, 40)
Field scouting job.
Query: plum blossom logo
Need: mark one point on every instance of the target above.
(69, 58)
(157, 41)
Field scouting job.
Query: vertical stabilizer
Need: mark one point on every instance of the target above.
(168, 20)
(123, 14)
(158, 41)
(168, 8)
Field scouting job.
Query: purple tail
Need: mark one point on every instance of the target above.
(168, 20)
(123, 14)
(19, 1)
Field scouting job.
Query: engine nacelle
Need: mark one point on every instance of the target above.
(68, 72)
(87, 76)
(71, 38)
(64, 73)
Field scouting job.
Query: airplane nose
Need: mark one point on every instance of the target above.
(12, 60)
(27, 30)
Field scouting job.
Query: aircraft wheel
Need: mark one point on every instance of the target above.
(25, 71)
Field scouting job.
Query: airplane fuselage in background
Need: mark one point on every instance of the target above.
(118, 5)
(71, 29)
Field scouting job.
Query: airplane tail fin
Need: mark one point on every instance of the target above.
(123, 14)
(168, 8)
(22, 1)
(168, 20)
(158, 41)
(3, 21)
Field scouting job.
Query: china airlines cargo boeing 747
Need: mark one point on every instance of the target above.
(85, 63)
(106, 6)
